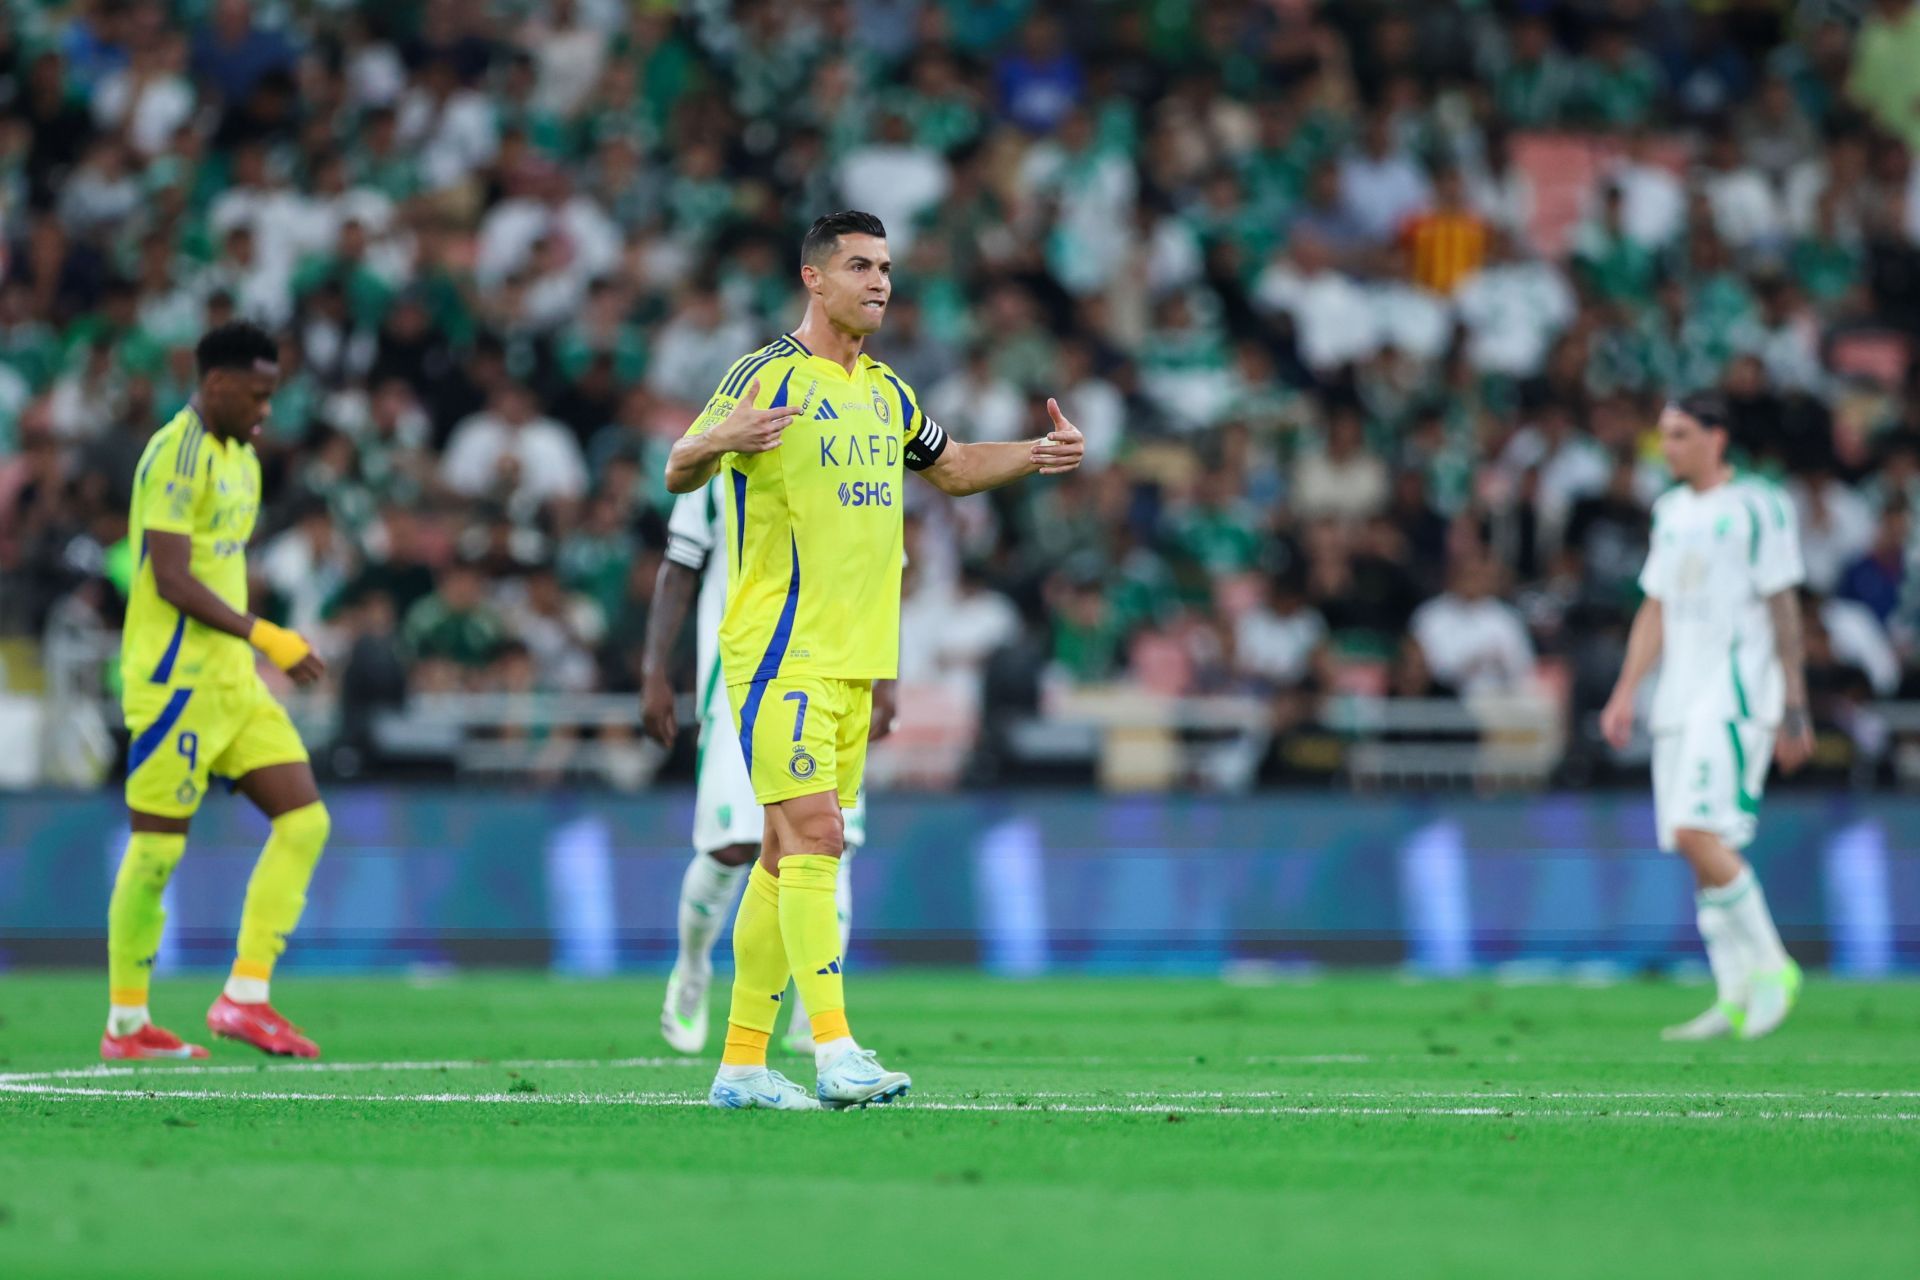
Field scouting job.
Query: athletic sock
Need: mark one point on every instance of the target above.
(759, 971)
(810, 927)
(125, 1019)
(1746, 905)
(276, 895)
(1726, 955)
(843, 905)
(135, 915)
(843, 902)
(706, 893)
(243, 990)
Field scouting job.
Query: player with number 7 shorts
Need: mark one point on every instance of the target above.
(812, 439)
(196, 708)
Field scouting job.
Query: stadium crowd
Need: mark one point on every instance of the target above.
(1363, 411)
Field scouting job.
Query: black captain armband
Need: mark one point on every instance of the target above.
(926, 447)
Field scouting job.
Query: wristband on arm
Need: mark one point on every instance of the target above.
(284, 649)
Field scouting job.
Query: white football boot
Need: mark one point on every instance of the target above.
(853, 1077)
(683, 1017)
(758, 1089)
(1772, 1000)
(1723, 1018)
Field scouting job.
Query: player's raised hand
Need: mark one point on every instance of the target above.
(656, 709)
(1061, 449)
(1616, 720)
(751, 430)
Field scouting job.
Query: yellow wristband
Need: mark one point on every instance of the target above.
(284, 648)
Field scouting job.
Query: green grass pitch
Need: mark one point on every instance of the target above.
(521, 1126)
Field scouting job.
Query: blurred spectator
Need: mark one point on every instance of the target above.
(1381, 184)
(1878, 579)
(454, 630)
(231, 55)
(977, 401)
(696, 347)
(1341, 480)
(896, 179)
(306, 567)
(1881, 81)
(1836, 527)
(1041, 81)
(1470, 639)
(1448, 242)
(511, 453)
(1513, 309)
(1282, 643)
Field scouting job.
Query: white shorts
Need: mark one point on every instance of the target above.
(724, 810)
(1708, 776)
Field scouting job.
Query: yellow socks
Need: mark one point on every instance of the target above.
(276, 895)
(810, 924)
(135, 916)
(759, 970)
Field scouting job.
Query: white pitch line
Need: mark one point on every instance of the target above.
(690, 1100)
(158, 1072)
(103, 1072)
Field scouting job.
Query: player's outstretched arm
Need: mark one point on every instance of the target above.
(1795, 745)
(1643, 651)
(172, 555)
(673, 593)
(974, 468)
(743, 429)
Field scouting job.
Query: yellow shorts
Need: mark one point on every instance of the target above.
(803, 734)
(182, 737)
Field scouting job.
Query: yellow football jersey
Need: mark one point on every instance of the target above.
(814, 527)
(190, 482)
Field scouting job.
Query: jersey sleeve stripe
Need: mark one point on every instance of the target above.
(164, 671)
(737, 384)
(739, 516)
(907, 407)
(156, 733)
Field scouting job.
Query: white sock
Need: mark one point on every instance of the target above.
(125, 1019)
(1746, 906)
(707, 892)
(1725, 954)
(824, 1055)
(739, 1071)
(247, 990)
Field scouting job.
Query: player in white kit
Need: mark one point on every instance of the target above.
(1722, 620)
(727, 820)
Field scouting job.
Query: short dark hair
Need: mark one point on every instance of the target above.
(1708, 408)
(238, 344)
(823, 237)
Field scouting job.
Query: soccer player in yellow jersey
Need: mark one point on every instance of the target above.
(196, 708)
(810, 436)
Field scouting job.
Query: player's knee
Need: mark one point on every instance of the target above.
(305, 830)
(821, 832)
(735, 855)
(150, 868)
